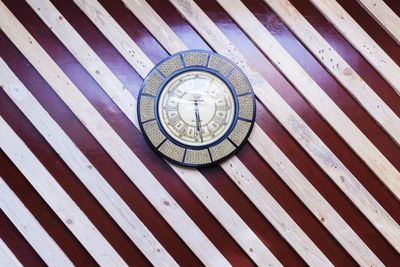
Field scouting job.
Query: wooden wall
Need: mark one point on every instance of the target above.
(318, 183)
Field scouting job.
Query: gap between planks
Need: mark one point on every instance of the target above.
(382, 13)
(311, 91)
(350, 241)
(111, 142)
(360, 40)
(312, 144)
(83, 169)
(150, 186)
(7, 257)
(338, 67)
(52, 20)
(303, 246)
(29, 227)
(59, 201)
(358, 245)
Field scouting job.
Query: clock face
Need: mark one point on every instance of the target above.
(196, 108)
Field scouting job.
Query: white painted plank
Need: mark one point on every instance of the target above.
(361, 41)
(7, 258)
(303, 247)
(83, 169)
(382, 13)
(111, 142)
(30, 228)
(338, 67)
(311, 91)
(203, 190)
(55, 196)
(311, 143)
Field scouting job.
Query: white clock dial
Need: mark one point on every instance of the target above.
(196, 108)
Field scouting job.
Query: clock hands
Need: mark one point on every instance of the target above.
(198, 122)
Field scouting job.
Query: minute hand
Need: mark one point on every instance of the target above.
(198, 121)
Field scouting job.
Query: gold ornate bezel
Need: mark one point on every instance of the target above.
(217, 65)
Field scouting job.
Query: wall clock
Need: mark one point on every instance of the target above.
(196, 108)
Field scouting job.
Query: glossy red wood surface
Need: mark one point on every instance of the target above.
(215, 175)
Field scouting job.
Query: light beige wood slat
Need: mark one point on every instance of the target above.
(315, 202)
(111, 142)
(338, 67)
(382, 13)
(243, 235)
(83, 169)
(126, 102)
(99, 16)
(361, 41)
(305, 247)
(55, 196)
(29, 227)
(282, 165)
(245, 180)
(158, 28)
(360, 144)
(7, 258)
(325, 158)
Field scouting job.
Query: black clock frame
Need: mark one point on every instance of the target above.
(204, 69)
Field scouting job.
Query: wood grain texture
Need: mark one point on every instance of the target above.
(272, 191)
(315, 95)
(303, 245)
(338, 67)
(173, 44)
(110, 140)
(313, 200)
(384, 16)
(30, 228)
(295, 125)
(364, 44)
(56, 198)
(202, 190)
(84, 169)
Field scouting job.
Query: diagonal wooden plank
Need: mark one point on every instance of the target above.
(7, 258)
(315, 202)
(30, 228)
(338, 67)
(83, 169)
(304, 247)
(311, 143)
(311, 91)
(115, 90)
(152, 21)
(382, 13)
(55, 196)
(111, 142)
(279, 162)
(361, 41)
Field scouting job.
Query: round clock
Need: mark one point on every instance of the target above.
(196, 108)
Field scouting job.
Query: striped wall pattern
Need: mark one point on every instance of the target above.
(318, 182)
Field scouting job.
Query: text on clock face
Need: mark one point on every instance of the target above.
(196, 108)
